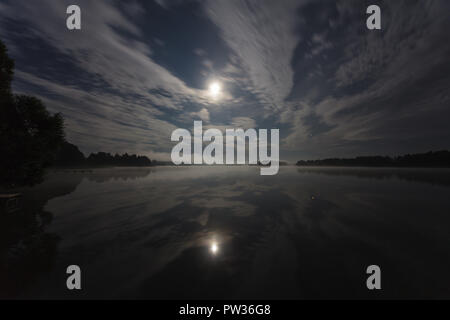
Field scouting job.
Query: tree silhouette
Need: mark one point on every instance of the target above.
(29, 135)
(438, 159)
(69, 156)
(106, 159)
(6, 72)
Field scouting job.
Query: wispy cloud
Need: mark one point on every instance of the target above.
(262, 35)
(310, 68)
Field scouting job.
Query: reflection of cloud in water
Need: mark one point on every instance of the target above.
(296, 234)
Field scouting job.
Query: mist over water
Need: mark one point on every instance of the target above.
(228, 232)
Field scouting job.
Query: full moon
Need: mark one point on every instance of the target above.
(214, 89)
(214, 248)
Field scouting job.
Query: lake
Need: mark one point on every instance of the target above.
(228, 232)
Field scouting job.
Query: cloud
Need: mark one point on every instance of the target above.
(377, 90)
(133, 91)
(106, 122)
(243, 123)
(202, 114)
(261, 34)
(309, 68)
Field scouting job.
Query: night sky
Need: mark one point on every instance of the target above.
(139, 69)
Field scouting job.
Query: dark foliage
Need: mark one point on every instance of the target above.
(29, 135)
(106, 159)
(429, 159)
(6, 72)
(69, 155)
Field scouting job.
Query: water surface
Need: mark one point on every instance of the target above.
(227, 232)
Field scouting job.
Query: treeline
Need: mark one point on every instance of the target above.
(106, 159)
(32, 139)
(29, 134)
(430, 159)
(70, 155)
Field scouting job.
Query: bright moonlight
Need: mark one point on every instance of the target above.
(214, 248)
(215, 89)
